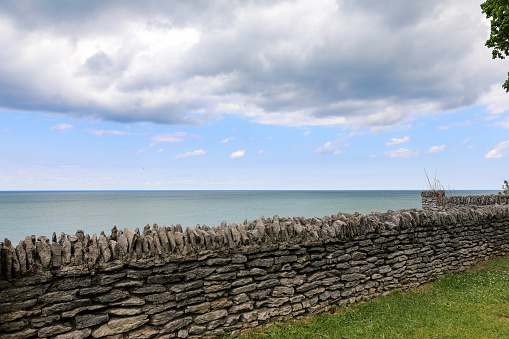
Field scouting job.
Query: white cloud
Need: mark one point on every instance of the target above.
(456, 124)
(401, 153)
(62, 127)
(496, 99)
(191, 154)
(227, 139)
(261, 151)
(6, 130)
(307, 132)
(140, 151)
(186, 63)
(103, 132)
(504, 124)
(436, 149)
(395, 141)
(160, 150)
(237, 154)
(466, 140)
(329, 147)
(169, 137)
(499, 151)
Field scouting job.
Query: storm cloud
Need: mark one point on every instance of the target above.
(361, 64)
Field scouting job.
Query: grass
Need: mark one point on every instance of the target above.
(472, 304)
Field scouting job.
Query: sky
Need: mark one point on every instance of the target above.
(250, 95)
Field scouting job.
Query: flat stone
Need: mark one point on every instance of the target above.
(13, 326)
(112, 296)
(43, 321)
(243, 289)
(132, 301)
(16, 306)
(177, 324)
(89, 320)
(73, 312)
(95, 290)
(124, 311)
(65, 306)
(58, 297)
(120, 325)
(160, 298)
(200, 308)
(144, 332)
(28, 333)
(152, 309)
(164, 317)
(205, 318)
(79, 334)
(146, 289)
(53, 330)
(220, 304)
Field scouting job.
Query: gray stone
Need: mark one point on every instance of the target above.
(243, 289)
(81, 334)
(144, 332)
(112, 296)
(95, 290)
(132, 301)
(72, 313)
(200, 308)
(13, 326)
(177, 324)
(152, 309)
(283, 291)
(53, 330)
(241, 307)
(28, 333)
(124, 311)
(65, 306)
(44, 321)
(164, 317)
(149, 289)
(205, 318)
(120, 325)
(89, 320)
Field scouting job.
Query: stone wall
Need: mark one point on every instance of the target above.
(165, 282)
(439, 200)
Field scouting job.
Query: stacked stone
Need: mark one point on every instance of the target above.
(437, 200)
(165, 282)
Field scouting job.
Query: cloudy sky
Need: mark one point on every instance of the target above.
(345, 94)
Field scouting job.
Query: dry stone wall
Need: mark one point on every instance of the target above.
(165, 282)
(438, 200)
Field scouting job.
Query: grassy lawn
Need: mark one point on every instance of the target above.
(472, 304)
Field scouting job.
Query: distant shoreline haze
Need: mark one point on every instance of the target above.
(40, 213)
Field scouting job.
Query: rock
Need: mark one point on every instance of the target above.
(58, 297)
(120, 325)
(164, 317)
(104, 247)
(53, 330)
(205, 318)
(81, 334)
(124, 311)
(177, 324)
(144, 332)
(89, 320)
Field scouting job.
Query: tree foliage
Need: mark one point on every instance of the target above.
(498, 12)
(505, 187)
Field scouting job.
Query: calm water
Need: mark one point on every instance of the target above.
(42, 213)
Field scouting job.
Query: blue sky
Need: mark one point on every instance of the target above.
(252, 95)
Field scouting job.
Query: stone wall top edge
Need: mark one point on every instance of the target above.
(164, 243)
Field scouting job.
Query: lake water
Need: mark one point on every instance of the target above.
(42, 213)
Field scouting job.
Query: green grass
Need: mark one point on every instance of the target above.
(472, 304)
